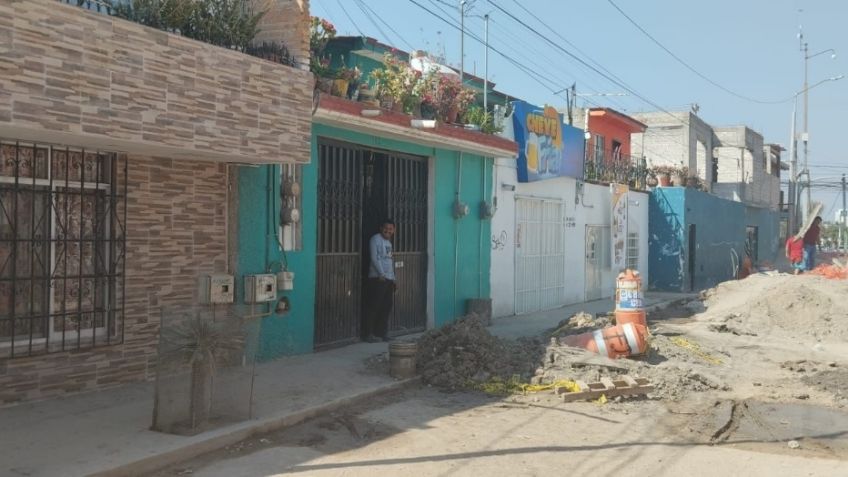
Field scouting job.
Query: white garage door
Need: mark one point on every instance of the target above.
(539, 255)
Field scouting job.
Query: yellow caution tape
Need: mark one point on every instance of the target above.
(695, 349)
(514, 385)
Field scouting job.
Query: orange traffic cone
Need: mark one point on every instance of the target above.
(620, 341)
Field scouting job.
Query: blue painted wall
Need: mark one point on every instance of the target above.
(463, 242)
(720, 232)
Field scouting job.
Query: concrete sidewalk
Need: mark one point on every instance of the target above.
(107, 432)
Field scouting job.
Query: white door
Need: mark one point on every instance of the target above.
(539, 255)
(597, 259)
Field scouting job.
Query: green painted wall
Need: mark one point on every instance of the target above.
(464, 241)
(474, 251)
(258, 250)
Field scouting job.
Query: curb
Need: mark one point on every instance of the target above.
(224, 437)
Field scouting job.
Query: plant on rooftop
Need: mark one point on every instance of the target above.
(227, 23)
(321, 31)
(478, 116)
(397, 84)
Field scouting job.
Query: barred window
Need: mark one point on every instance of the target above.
(62, 248)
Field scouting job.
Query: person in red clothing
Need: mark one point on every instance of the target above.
(795, 254)
(811, 241)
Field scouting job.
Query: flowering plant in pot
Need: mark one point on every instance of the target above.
(450, 98)
(395, 83)
(663, 174)
(345, 78)
(320, 33)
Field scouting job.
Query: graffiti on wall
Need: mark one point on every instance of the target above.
(499, 240)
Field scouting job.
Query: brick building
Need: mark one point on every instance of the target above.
(116, 181)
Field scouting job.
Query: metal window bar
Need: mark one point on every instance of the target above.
(609, 166)
(62, 249)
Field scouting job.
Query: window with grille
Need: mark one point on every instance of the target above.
(633, 251)
(62, 248)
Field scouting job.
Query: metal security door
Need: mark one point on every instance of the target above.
(357, 189)
(596, 250)
(539, 255)
(338, 279)
(406, 198)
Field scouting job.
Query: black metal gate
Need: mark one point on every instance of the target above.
(357, 189)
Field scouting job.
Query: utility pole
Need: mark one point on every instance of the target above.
(486, 68)
(462, 42)
(793, 175)
(806, 135)
(843, 233)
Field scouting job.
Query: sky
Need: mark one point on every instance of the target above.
(749, 47)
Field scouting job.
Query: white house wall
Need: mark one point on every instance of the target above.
(592, 208)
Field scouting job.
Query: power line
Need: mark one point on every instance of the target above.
(593, 68)
(690, 67)
(363, 6)
(568, 42)
(341, 5)
(533, 75)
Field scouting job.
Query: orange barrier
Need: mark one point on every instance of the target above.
(830, 271)
(637, 317)
(629, 300)
(620, 341)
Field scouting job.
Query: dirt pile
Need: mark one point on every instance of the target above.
(580, 323)
(807, 305)
(463, 353)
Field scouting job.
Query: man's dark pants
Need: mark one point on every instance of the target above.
(378, 305)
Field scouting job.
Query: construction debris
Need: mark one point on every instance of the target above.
(606, 388)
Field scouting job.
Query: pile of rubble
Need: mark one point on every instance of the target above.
(464, 353)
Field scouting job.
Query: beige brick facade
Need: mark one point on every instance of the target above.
(177, 109)
(70, 76)
(176, 229)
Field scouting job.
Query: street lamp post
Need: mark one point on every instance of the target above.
(794, 192)
(806, 134)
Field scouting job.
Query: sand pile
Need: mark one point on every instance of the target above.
(798, 306)
(463, 353)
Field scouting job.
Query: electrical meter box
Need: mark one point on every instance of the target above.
(285, 280)
(260, 288)
(216, 289)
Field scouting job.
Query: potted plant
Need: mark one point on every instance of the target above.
(395, 83)
(663, 174)
(450, 98)
(678, 176)
(481, 120)
(320, 33)
(344, 78)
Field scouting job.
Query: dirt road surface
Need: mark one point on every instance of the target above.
(751, 380)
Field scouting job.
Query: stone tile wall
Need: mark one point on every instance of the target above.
(89, 78)
(176, 230)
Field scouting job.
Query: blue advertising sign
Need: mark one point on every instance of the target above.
(547, 147)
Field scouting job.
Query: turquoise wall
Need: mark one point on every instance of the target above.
(259, 196)
(463, 242)
(720, 236)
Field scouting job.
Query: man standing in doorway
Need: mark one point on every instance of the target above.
(811, 241)
(381, 284)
